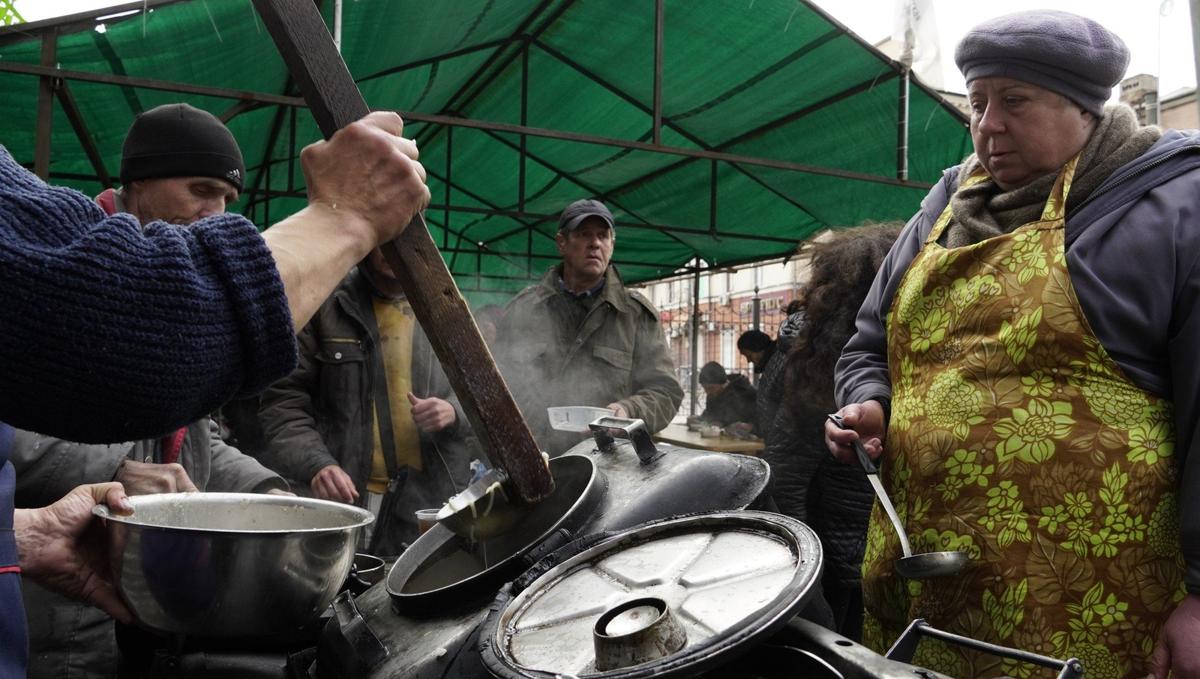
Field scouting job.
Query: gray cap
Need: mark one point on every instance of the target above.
(580, 210)
(1062, 52)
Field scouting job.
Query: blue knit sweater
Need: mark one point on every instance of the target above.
(111, 332)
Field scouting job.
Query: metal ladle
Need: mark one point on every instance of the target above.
(912, 566)
(483, 510)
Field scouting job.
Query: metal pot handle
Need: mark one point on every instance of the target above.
(350, 646)
(906, 646)
(605, 430)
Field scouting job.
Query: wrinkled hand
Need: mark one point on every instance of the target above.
(333, 483)
(1178, 649)
(864, 422)
(63, 547)
(618, 410)
(432, 414)
(147, 478)
(368, 170)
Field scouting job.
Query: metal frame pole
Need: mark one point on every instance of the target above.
(658, 70)
(695, 374)
(902, 127)
(45, 107)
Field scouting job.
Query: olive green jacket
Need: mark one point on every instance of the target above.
(618, 354)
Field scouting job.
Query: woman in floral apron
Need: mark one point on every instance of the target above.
(1026, 365)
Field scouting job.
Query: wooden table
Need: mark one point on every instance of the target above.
(678, 434)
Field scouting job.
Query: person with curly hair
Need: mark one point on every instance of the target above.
(834, 499)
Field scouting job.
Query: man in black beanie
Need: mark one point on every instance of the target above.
(179, 164)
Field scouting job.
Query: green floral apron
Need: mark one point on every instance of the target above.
(1015, 437)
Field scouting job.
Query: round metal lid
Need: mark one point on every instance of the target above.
(728, 577)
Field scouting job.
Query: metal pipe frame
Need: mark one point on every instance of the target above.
(45, 108)
(453, 121)
(75, 117)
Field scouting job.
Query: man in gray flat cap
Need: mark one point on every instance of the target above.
(578, 337)
(1026, 362)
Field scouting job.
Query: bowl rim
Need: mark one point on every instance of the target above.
(361, 517)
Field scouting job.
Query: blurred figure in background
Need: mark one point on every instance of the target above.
(488, 318)
(834, 499)
(757, 348)
(729, 399)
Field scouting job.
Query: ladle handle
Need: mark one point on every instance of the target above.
(865, 459)
(873, 476)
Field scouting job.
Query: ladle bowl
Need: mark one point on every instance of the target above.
(483, 510)
(922, 566)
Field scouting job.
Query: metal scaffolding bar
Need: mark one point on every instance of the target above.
(658, 71)
(75, 117)
(695, 347)
(902, 127)
(45, 107)
(453, 121)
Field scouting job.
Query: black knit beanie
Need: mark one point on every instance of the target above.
(178, 140)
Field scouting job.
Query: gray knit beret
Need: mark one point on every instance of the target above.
(1062, 52)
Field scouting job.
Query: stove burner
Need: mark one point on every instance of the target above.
(149, 655)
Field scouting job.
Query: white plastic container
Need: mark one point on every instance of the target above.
(575, 418)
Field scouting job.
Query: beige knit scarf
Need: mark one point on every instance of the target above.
(985, 210)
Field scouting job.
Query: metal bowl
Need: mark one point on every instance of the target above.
(222, 565)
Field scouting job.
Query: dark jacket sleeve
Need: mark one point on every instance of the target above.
(48, 468)
(232, 471)
(140, 331)
(294, 446)
(657, 392)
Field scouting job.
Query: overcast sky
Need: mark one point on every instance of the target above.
(1157, 31)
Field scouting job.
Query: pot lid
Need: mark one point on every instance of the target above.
(726, 577)
(442, 571)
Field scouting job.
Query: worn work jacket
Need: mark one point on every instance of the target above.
(617, 354)
(323, 414)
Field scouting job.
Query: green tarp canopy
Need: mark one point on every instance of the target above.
(718, 131)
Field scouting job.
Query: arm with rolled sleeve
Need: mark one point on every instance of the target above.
(77, 289)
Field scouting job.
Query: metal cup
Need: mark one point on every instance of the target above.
(426, 518)
(636, 632)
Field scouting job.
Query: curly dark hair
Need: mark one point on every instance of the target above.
(843, 267)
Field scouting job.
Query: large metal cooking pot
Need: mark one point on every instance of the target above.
(223, 565)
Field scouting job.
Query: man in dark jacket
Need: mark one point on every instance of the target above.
(578, 337)
(730, 398)
(368, 418)
(100, 321)
(179, 164)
